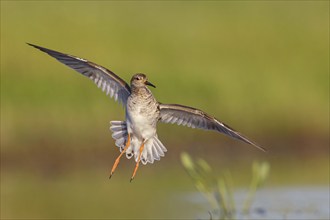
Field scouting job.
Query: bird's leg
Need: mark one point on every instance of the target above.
(138, 162)
(128, 142)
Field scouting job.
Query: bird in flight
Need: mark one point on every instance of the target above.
(137, 135)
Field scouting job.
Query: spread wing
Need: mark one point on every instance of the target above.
(112, 84)
(194, 118)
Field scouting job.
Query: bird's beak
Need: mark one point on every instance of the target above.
(150, 84)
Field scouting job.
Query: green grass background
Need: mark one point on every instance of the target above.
(260, 66)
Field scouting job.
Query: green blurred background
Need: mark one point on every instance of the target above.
(260, 66)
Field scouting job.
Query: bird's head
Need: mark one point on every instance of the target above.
(140, 80)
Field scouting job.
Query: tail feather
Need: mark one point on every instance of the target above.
(150, 155)
(161, 148)
(153, 149)
(120, 143)
(156, 154)
(119, 130)
(157, 149)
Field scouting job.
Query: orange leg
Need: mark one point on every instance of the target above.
(128, 142)
(138, 162)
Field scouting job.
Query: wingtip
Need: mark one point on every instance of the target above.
(259, 147)
(35, 46)
(31, 44)
(43, 49)
(263, 149)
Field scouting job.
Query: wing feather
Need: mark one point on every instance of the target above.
(195, 118)
(102, 77)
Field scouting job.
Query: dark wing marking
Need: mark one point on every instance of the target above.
(195, 118)
(103, 78)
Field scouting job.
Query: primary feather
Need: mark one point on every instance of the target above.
(105, 79)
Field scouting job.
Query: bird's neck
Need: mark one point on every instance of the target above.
(140, 91)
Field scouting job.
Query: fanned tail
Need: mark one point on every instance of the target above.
(152, 151)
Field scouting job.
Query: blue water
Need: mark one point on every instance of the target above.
(274, 203)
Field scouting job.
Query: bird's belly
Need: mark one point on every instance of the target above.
(140, 126)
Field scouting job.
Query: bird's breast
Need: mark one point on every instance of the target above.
(141, 116)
